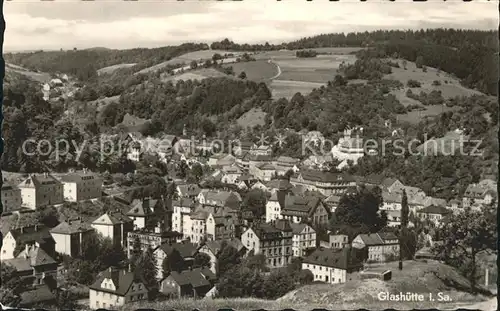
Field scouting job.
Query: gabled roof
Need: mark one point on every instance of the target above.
(39, 181)
(111, 219)
(334, 258)
(196, 277)
(287, 160)
(215, 246)
(279, 183)
(389, 197)
(122, 280)
(30, 234)
(300, 204)
(36, 296)
(142, 208)
(325, 177)
(185, 249)
(71, 227)
(266, 231)
(189, 189)
(266, 167)
(78, 177)
(374, 239)
(299, 228)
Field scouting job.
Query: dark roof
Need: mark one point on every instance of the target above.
(195, 277)
(215, 246)
(434, 209)
(122, 280)
(39, 180)
(265, 231)
(189, 189)
(325, 177)
(335, 258)
(185, 249)
(374, 239)
(142, 208)
(301, 205)
(72, 226)
(36, 233)
(77, 177)
(280, 184)
(112, 219)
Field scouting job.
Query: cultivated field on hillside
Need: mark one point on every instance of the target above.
(286, 89)
(111, 69)
(197, 74)
(258, 71)
(251, 118)
(102, 102)
(41, 77)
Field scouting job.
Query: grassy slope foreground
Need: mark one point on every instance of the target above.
(416, 277)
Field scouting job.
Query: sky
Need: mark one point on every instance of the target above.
(33, 25)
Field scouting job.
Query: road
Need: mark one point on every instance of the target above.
(279, 70)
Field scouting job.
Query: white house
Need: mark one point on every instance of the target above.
(41, 190)
(333, 266)
(80, 186)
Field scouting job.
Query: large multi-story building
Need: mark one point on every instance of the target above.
(41, 190)
(114, 226)
(213, 249)
(332, 266)
(382, 246)
(273, 240)
(185, 250)
(79, 186)
(11, 197)
(324, 182)
(181, 217)
(304, 238)
(70, 236)
(151, 239)
(274, 205)
(309, 209)
(115, 288)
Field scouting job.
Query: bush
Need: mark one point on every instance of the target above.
(413, 83)
(436, 83)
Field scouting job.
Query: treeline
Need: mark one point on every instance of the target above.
(189, 103)
(306, 53)
(84, 63)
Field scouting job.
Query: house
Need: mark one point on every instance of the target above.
(304, 237)
(242, 147)
(274, 205)
(79, 186)
(186, 250)
(381, 247)
(189, 191)
(149, 213)
(279, 184)
(348, 148)
(392, 185)
(231, 174)
(332, 202)
(261, 150)
(226, 160)
(325, 182)
(305, 209)
(391, 201)
(114, 226)
(199, 219)
(273, 240)
(483, 192)
(219, 198)
(115, 288)
(37, 296)
(213, 248)
(255, 161)
(34, 236)
(41, 190)
(148, 239)
(11, 197)
(221, 224)
(134, 151)
(69, 236)
(283, 164)
(338, 240)
(259, 185)
(181, 219)
(264, 171)
(34, 266)
(194, 283)
(434, 213)
(333, 266)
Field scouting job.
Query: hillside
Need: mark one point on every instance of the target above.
(416, 277)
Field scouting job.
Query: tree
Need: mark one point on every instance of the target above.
(202, 260)
(419, 62)
(404, 210)
(278, 283)
(146, 269)
(464, 236)
(256, 200)
(66, 300)
(339, 81)
(228, 257)
(306, 277)
(136, 251)
(358, 212)
(193, 64)
(173, 262)
(242, 75)
(405, 63)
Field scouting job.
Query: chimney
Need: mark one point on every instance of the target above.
(129, 268)
(110, 269)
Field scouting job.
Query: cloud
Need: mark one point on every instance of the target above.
(54, 25)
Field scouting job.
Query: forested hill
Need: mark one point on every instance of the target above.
(84, 63)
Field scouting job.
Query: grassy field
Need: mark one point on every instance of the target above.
(251, 118)
(197, 74)
(258, 71)
(111, 69)
(286, 89)
(41, 77)
(101, 103)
